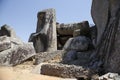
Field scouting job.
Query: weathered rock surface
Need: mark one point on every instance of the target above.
(78, 51)
(109, 76)
(93, 33)
(67, 44)
(15, 42)
(83, 58)
(68, 29)
(76, 33)
(37, 70)
(65, 71)
(106, 15)
(10, 35)
(84, 28)
(4, 43)
(80, 43)
(8, 31)
(77, 58)
(48, 56)
(45, 38)
(12, 50)
(9, 42)
(69, 57)
(61, 40)
(100, 15)
(16, 55)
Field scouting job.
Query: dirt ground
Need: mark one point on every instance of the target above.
(23, 72)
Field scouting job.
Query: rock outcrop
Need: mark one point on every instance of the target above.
(65, 71)
(106, 15)
(93, 33)
(77, 58)
(45, 38)
(80, 43)
(16, 55)
(4, 43)
(49, 56)
(12, 50)
(8, 31)
(109, 76)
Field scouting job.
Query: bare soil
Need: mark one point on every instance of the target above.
(23, 72)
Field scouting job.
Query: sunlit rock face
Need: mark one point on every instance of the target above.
(13, 51)
(45, 38)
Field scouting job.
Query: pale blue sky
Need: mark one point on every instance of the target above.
(22, 14)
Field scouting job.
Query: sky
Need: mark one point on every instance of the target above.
(21, 15)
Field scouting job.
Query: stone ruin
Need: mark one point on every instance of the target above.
(12, 50)
(45, 37)
(72, 43)
(84, 51)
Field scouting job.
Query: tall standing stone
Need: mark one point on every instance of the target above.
(99, 12)
(106, 15)
(45, 38)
